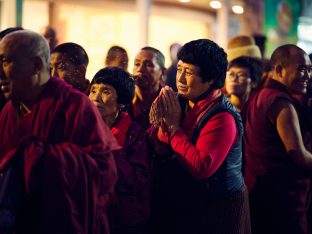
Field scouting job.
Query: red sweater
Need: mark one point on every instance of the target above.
(214, 141)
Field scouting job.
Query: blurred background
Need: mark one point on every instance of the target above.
(98, 24)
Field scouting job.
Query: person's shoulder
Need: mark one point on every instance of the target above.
(66, 92)
(8, 107)
(71, 100)
(135, 129)
(136, 132)
(76, 95)
(267, 96)
(281, 105)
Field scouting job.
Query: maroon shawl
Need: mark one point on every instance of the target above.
(69, 171)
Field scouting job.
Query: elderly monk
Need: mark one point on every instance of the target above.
(58, 138)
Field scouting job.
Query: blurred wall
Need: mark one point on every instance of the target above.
(97, 25)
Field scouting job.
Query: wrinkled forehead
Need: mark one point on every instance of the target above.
(10, 44)
(102, 87)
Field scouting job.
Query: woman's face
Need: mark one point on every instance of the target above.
(189, 82)
(238, 81)
(104, 97)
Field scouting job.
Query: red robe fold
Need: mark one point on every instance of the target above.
(69, 170)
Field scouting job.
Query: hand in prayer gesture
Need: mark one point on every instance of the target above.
(156, 112)
(166, 111)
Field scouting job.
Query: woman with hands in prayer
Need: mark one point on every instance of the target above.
(200, 188)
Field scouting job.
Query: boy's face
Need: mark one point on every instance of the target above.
(63, 68)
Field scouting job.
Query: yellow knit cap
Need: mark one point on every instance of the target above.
(242, 46)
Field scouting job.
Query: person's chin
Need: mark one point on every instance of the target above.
(99, 107)
(183, 95)
(142, 85)
(236, 91)
(302, 88)
(302, 91)
(8, 95)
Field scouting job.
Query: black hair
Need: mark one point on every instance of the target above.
(160, 58)
(112, 52)
(209, 57)
(6, 31)
(74, 52)
(252, 64)
(120, 79)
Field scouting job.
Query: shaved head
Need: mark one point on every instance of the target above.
(24, 57)
(291, 66)
(283, 54)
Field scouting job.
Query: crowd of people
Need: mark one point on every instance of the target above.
(226, 148)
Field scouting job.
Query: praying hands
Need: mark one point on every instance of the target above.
(166, 111)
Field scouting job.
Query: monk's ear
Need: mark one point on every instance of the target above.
(278, 69)
(37, 64)
(163, 74)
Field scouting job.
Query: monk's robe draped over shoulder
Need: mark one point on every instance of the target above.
(69, 170)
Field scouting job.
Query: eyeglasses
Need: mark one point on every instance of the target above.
(241, 76)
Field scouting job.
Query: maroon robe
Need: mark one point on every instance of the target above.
(280, 191)
(69, 170)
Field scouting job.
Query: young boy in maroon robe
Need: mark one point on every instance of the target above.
(60, 140)
(69, 62)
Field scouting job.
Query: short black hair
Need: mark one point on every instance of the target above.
(120, 79)
(6, 31)
(75, 53)
(209, 57)
(252, 64)
(112, 52)
(160, 58)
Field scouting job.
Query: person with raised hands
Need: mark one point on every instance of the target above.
(199, 184)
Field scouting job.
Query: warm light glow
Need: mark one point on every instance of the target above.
(115, 30)
(238, 9)
(184, 0)
(216, 4)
